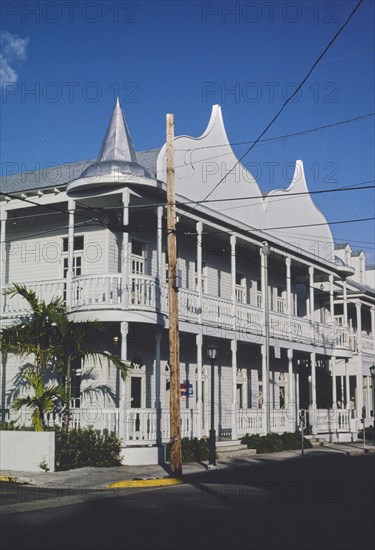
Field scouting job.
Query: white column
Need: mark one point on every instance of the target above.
(313, 379)
(124, 404)
(158, 385)
(312, 411)
(345, 302)
(199, 343)
(311, 286)
(290, 376)
(334, 389)
(264, 252)
(199, 229)
(126, 252)
(358, 310)
(3, 257)
(69, 275)
(288, 263)
(265, 385)
(233, 346)
(347, 383)
(359, 378)
(233, 273)
(331, 303)
(291, 403)
(372, 311)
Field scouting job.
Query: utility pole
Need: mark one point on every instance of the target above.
(174, 341)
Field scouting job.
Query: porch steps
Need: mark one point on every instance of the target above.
(232, 449)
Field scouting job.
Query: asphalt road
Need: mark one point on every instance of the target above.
(324, 503)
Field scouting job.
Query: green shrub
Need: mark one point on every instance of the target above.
(12, 426)
(86, 447)
(369, 433)
(272, 443)
(193, 450)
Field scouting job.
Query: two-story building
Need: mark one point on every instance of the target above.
(294, 327)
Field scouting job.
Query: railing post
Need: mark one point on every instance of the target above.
(234, 388)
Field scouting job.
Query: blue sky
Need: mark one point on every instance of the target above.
(64, 63)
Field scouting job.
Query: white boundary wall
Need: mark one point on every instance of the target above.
(25, 451)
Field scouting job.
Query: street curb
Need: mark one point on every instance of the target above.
(15, 479)
(132, 483)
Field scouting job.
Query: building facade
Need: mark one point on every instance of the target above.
(293, 318)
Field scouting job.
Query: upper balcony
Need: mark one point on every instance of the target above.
(98, 293)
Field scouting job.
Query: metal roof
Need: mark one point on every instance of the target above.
(58, 176)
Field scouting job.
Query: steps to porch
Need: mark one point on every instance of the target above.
(232, 449)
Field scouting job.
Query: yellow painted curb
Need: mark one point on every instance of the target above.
(8, 479)
(130, 483)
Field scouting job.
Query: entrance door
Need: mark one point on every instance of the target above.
(136, 392)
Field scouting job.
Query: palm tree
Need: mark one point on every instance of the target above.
(43, 400)
(55, 341)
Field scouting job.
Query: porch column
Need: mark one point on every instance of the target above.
(311, 286)
(264, 252)
(334, 389)
(266, 401)
(199, 343)
(313, 379)
(331, 303)
(125, 252)
(347, 384)
(292, 411)
(359, 379)
(345, 302)
(199, 229)
(124, 405)
(158, 385)
(69, 274)
(372, 311)
(288, 263)
(233, 346)
(290, 375)
(233, 273)
(159, 257)
(312, 407)
(3, 256)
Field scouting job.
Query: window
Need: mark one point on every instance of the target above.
(75, 384)
(138, 257)
(204, 276)
(240, 288)
(78, 243)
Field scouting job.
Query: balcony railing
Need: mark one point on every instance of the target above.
(105, 291)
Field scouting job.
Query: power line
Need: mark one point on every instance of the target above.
(276, 138)
(276, 116)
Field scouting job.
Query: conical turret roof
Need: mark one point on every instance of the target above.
(117, 143)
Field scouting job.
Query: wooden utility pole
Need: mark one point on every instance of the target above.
(174, 341)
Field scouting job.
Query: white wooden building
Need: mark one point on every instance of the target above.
(95, 233)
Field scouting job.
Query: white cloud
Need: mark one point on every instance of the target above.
(13, 50)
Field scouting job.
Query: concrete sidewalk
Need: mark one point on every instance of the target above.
(100, 478)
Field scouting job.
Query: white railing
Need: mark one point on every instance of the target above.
(44, 290)
(250, 421)
(280, 305)
(330, 420)
(217, 310)
(368, 342)
(150, 425)
(143, 291)
(105, 291)
(96, 290)
(281, 421)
